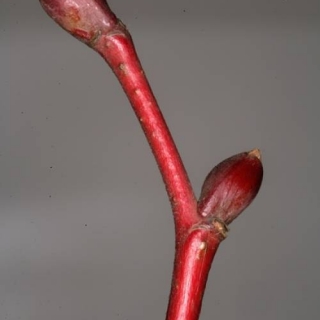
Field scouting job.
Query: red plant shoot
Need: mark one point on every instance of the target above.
(228, 189)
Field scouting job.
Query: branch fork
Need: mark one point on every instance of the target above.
(229, 188)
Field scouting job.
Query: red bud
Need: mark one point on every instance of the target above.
(231, 186)
(84, 19)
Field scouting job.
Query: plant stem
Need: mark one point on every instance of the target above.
(199, 227)
(191, 269)
(93, 22)
(118, 50)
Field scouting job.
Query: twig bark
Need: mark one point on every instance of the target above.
(228, 189)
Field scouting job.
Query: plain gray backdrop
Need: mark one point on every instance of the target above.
(86, 231)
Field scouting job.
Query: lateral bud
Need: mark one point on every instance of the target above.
(231, 186)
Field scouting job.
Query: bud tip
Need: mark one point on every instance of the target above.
(255, 153)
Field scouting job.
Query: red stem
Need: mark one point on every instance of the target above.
(198, 235)
(93, 22)
(118, 50)
(191, 269)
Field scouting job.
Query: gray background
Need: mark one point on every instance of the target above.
(85, 225)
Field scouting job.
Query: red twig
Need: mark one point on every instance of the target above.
(118, 50)
(227, 190)
(193, 260)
